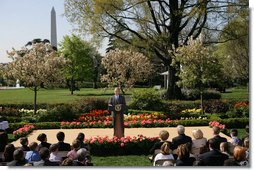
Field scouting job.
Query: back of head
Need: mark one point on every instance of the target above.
(216, 130)
(165, 148)
(76, 144)
(33, 146)
(67, 162)
(168, 163)
(183, 151)
(60, 136)
(234, 132)
(18, 154)
(83, 154)
(81, 137)
(212, 143)
(164, 135)
(53, 147)
(239, 153)
(224, 147)
(180, 129)
(23, 141)
(44, 153)
(9, 148)
(42, 137)
(197, 134)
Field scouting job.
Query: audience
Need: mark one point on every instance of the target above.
(225, 148)
(165, 153)
(198, 143)
(84, 158)
(247, 129)
(239, 157)
(184, 158)
(8, 152)
(67, 162)
(62, 146)
(44, 154)
(73, 153)
(181, 138)
(33, 154)
(19, 159)
(3, 140)
(217, 138)
(24, 143)
(213, 157)
(54, 157)
(81, 138)
(43, 139)
(234, 139)
(246, 145)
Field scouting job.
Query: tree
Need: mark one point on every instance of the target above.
(199, 66)
(83, 60)
(152, 26)
(124, 68)
(36, 66)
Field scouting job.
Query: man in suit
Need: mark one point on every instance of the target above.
(19, 159)
(217, 138)
(181, 138)
(118, 113)
(62, 146)
(213, 157)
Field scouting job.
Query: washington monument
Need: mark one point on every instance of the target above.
(53, 28)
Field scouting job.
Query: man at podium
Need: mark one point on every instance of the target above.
(117, 106)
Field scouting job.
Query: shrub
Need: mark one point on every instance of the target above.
(88, 104)
(147, 99)
(194, 94)
(216, 106)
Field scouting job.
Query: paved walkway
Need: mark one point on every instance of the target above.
(71, 134)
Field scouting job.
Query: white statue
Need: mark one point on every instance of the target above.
(17, 84)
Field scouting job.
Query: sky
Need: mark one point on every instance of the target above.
(24, 20)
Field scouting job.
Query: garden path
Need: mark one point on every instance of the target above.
(71, 134)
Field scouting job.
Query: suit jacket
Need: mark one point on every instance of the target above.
(113, 101)
(185, 162)
(213, 158)
(45, 163)
(44, 144)
(62, 146)
(181, 139)
(218, 139)
(17, 163)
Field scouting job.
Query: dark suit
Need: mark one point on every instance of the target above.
(45, 163)
(62, 146)
(181, 139)
(17, 163)
(218, 139)
(185, 162)
(213, 158)
(44, 144)
(113, 101)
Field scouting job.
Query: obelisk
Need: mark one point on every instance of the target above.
(53, 28)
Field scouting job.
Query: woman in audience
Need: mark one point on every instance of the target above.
(239, 157)
(8, 152)
(43, 139)
(184, 158)
(225, 147)
(166, 153)
(73, 153)
(24, 143)
(198, 143)
(81, 138)
(54, 153)
(33, 154)
(84, 158)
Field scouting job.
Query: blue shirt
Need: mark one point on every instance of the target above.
(32, 156)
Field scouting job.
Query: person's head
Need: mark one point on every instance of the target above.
(8, 151)
(233, 132)
(60, 136)
(168, 163)
(197, 134)
(239, 153)
(183, 151)
(117, 91)
(53, 148)
(81, 137)
(224, 147)
(180, 129)
(212, 143)
(42, 137)
(164, 135)
(18, 155)
(83, 154)
(24, 141)
(67, 162)
(76, 145)
(33, 146)
(246, 142)
(216, 130)
(165, 148)
(44, 153)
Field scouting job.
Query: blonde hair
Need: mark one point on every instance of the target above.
(165, 148)
(164, 135)
(197, 134)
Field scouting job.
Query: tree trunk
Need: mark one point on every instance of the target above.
(201, 101)
(173, 91)
(72, 85)
(35, 99)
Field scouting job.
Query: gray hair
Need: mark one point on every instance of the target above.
(82, 154)
(180, 129)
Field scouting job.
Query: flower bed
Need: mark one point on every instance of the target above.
(104, 146)
(24, 131)
(216, 123)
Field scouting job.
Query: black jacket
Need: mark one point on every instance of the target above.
(181, 139)
(62, 146)
(213, 158)
(17, 163)
(218, 139)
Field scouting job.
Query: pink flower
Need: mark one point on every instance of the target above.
(122, 145)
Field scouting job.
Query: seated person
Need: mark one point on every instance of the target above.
(8, 152)
(33, 154)
(181, 138)
(67, 162)
(84, 158)
(225, 148)
(54, 153)
(24, 143)
(234, 139)
(43, 139)
(44, 154)
(19, 159)
(184, 158)
(239, 157)
(198, 143)
(81, 138)
(62, 146)
(166, 153)
(73, 153)
(217, 138)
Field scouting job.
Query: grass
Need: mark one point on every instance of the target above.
(120, 161)
(236, 93)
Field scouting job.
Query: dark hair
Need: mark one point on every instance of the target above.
(234, 132)
(44, 153)
(18, 154)
(216, 130)
(76, 145)
(8, 152)
(67, 162)
(183, 151)
(60, 136)
(53, 147)
(33, 146)
(42, 137)
(212, 143)
(81, 137)
(23, 141)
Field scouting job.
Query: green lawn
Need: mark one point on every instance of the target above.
(236, 93)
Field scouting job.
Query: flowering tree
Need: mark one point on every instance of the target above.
(38, 65)
(124, 68)
(199, 66)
